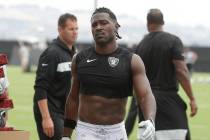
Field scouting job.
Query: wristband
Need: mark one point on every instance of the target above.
(70, 123)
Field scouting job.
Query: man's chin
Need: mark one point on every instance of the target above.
(100, 40)
(101, 43)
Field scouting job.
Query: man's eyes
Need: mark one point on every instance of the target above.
(100, 22)
(104, 22)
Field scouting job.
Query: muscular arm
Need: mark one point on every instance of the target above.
(183, 77)
(72, 103)
(142, 88)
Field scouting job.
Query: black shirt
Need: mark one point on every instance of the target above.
(105, 75)
(53, 77)
(157, 50)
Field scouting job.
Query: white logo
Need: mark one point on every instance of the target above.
(43, 65)
(90, 60)
(113, 61)
(64, 66)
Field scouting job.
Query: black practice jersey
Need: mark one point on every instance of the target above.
(157, 50)
(105, 75)
(53, 76)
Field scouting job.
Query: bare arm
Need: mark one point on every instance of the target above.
(183, 77)
(47, 123)
(142, 88)
(72, 103)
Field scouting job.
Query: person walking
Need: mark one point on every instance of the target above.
(103, 77)
(162, 54)
(53, 80)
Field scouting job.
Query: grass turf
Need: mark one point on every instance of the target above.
(21, 92)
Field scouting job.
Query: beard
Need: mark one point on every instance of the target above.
(103, 41)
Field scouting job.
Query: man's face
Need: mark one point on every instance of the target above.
(103, 28)
(69, 32)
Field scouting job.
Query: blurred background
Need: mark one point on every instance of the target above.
(28, 26)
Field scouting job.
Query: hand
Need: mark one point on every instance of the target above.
(48, 127)
(65, 138)
(146, 130)
(194, 108)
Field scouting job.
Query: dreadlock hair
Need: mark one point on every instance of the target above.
(155, 16)
(111, 15)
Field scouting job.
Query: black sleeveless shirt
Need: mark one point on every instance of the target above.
(105, 75)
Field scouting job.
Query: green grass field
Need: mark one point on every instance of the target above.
(21, 91)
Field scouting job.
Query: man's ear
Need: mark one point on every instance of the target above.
(59, 29)
(117, 25)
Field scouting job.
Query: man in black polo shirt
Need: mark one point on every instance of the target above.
(53, 80)
(162, 54)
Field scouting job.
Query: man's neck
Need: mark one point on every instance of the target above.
(155, 28)
(106, 48)
(69, 45)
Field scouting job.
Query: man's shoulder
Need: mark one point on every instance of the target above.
(170, 35)
(50, 51)
(126, 51)
(84, 53)
(86, 50)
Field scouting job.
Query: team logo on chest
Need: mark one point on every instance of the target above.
(113, 61)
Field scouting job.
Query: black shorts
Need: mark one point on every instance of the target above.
(171, 112)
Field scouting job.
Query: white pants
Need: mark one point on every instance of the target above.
(87, 131)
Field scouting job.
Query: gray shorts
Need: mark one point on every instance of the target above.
(87, 131)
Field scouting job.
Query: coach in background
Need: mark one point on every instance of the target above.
(53, 80)
(162, 54)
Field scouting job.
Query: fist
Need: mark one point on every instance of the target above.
(146, 130)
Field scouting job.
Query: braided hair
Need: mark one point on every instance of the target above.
(111, 15)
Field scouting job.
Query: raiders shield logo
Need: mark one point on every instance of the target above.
(113, 61)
